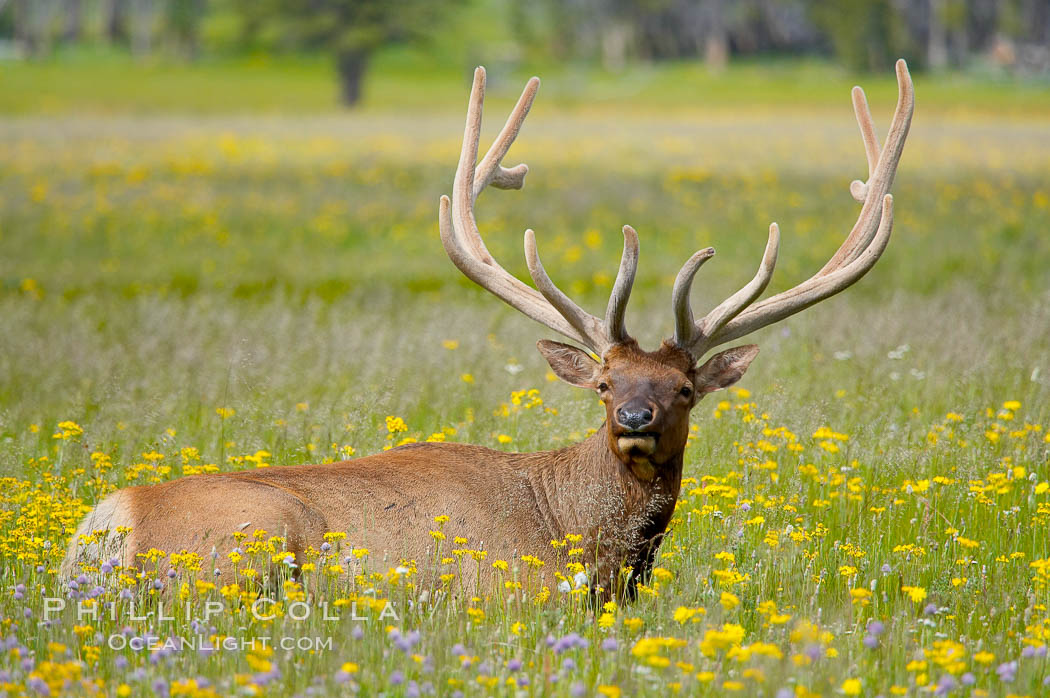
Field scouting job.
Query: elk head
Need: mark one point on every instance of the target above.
(648, 395)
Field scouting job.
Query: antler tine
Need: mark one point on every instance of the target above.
(871, 140)
(881, 178)
(494, 279)
(463, 185)
(459, 232)
(687, 331)
(685, 328)
(590, 330)
(621, 292)
(735, 304)
(801, 297)
(490, 170)
(854, 258)
(463, 243)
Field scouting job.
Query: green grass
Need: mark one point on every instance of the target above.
(101, 81)
(156, 267)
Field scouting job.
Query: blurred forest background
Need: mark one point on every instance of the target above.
(1001, 39)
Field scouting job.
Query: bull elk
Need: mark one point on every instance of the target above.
(617, 489)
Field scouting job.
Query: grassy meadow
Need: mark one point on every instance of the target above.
(196, 288)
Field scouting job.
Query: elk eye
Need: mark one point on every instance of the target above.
(686, 391)
(602, 387)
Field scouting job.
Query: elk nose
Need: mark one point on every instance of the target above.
(634, 418)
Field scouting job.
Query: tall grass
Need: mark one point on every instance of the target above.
(867, 515)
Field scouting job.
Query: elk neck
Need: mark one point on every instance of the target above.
(586, 489)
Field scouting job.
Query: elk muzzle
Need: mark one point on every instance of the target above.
(636, 439)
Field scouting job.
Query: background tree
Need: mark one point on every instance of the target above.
(864, 34)
(352, 30)
(183, 25)
(1003, 35)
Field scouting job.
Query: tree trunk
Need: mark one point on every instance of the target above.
(143, 24)
(937, 44)
(614, 41)
(23, 30)
(74, 20)
(351, 65)
(33, 20)
(116, 21)
(716, 46)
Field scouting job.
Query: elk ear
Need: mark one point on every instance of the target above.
(572, 365)
(725, 368)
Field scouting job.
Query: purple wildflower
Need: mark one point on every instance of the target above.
(38, 685)
(570, 641)
(945, 685)
(610, 644)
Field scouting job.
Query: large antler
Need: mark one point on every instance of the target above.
(733, 318)
(459, 234)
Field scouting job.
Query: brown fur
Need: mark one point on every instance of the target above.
(509, 504)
